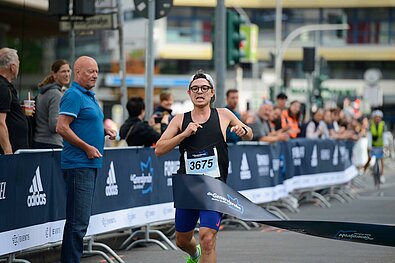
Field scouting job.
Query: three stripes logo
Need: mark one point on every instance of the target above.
(37, 196)
(112, 187)
(245, 172)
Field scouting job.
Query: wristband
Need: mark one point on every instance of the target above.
(246, 131)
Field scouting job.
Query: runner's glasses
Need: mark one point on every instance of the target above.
(204, 88)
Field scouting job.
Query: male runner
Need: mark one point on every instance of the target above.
(201, 135)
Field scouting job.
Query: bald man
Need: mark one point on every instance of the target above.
(80, 124)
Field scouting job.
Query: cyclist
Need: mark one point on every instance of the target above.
(376, 140)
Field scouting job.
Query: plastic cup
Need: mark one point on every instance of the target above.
(28, 105)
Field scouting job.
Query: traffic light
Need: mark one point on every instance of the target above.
(58, 7)
(338, 19)
(233, 38)
(84, 7)
(80, 7)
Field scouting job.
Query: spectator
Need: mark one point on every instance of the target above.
(47, 106)
(163, 110)
(290, 119)
(353, 130)
(313, 128)
(232, 101)
(165, 104)
(80, 124)
(275, 118)
(14, 128)
(347, 108)
(360, 149)
(326, 125)
(335, 119)
(282, 101)
(135, 131)
(261, 127)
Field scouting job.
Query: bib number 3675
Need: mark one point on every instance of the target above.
(201, 164)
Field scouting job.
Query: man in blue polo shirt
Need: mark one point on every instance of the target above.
(80, 124)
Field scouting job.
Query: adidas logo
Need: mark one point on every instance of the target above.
(335, 159)
(37, 197)
(314, 159)
(245, 172)
(112, 187)
(2, 189)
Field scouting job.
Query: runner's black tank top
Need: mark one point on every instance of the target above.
(207, 137)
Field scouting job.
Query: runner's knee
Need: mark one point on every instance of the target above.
(207, 241)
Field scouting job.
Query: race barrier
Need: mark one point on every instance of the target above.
(134, 187)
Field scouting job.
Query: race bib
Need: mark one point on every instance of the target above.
(202, 162)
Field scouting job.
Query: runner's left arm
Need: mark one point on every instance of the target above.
(237, 126)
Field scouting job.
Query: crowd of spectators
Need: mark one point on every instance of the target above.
(277, 122)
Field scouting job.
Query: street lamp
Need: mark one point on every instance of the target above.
(297, 32)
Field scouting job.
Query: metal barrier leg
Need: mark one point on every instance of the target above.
(345, 190)
(147, 239)
(109, 250)
(90, 251)
(335, 195)
(11, 258)
(236, 221)
(130, 239)
(275, 210)
(312, 196)
(165, 239)
(323, 201)
(289, 203)
(171, 232)
(254, 224)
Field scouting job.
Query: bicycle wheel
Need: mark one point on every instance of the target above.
(376, 174)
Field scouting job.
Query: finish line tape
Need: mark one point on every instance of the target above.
(206, 193)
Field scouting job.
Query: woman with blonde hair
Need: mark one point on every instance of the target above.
(47, 106)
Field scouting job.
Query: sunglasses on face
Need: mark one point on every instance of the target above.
(204, 88)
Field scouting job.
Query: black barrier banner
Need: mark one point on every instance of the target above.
(205, 193)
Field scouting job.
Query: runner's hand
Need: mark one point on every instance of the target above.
(238, 130)
(192, 128)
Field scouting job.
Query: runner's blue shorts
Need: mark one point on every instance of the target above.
(186, 219)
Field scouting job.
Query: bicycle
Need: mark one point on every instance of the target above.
(378, 153)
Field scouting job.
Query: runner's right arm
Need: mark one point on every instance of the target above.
(171, 137)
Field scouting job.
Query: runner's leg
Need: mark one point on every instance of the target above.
(210, 222)
(186, 220)
(186, 242)
(207, 238)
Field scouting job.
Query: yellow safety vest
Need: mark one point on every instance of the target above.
(377, 133)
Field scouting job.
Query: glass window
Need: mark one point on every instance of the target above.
(189, 25)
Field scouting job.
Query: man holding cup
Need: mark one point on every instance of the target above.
(14, 127)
